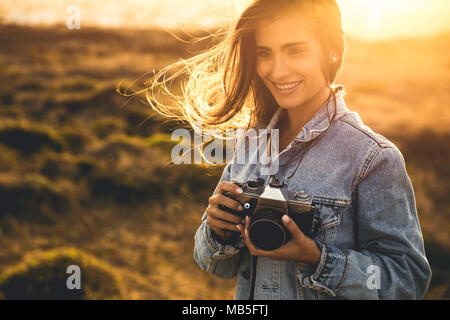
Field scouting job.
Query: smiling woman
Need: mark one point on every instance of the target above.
(225, 89)
(297, 65)
(276, 70)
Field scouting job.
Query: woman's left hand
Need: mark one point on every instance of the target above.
(300, 247)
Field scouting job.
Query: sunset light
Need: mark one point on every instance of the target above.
(212, 150)
(365, 19)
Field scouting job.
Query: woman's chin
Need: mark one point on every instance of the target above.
(290, 104)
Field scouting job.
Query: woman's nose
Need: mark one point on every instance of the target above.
(280, 69)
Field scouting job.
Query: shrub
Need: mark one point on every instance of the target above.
(29, 138)
(7, 97)
(43, 275)
(55, 165)
(439, 259)
(139, 122)
(33, 194)
(30, 85)
(78, 84)
(192, 181)
(9, 159)
(75, 139)
(105, 100)
(106, 126)
(120, 143)
(75, 104)
(123, 190)
(86, 167)
(161, 140)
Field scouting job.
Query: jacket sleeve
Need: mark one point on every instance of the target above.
(390, 261)
(211, 255)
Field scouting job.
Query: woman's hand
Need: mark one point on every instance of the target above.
(299, 248)
(220, 220)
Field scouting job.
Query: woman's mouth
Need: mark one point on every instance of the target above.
(287, 88)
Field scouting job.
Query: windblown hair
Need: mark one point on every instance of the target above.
(220, 88)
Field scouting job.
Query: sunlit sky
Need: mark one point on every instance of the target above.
(364, 19)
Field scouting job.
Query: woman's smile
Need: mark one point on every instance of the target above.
(286, 89)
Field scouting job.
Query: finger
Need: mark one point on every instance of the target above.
(228, 186)
(217, 213)
(295, 231)
(240, 227)
(220, 224)
(246, 224)
(220, 199)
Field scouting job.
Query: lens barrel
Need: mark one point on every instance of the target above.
(266, 231)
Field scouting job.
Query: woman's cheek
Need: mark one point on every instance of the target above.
(262, 68)
(304, 66)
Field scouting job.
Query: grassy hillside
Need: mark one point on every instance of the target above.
(82, 177)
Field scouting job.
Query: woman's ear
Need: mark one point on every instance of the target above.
(332, 58)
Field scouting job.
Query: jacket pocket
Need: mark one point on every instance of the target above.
(330, 212)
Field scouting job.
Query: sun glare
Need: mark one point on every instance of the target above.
(379, 19)
(364, 19)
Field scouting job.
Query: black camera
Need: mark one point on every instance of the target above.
(266, 205)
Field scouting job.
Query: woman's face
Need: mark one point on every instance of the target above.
(288, 60)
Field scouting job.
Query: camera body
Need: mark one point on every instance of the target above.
(266, 205)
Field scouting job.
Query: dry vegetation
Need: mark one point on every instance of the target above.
(80, 180)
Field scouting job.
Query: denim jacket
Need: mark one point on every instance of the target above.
(370, 238)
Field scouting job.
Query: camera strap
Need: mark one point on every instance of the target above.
(308, 144)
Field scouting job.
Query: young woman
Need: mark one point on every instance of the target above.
(276, 69)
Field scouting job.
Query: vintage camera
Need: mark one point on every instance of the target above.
(266, 205)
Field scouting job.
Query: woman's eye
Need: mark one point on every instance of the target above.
(263, 54)
(295, 51)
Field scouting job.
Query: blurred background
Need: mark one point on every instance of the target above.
(83, 171)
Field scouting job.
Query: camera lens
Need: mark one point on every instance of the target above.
(253, 186)
(266, 230)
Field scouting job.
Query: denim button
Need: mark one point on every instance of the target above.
(246, 274)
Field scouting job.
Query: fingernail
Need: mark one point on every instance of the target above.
(285, 218)
(241, 207)
(238, 227)
(239, 190)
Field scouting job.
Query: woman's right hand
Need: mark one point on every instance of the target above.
(220, 220)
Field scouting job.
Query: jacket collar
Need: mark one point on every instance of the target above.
(320, 121)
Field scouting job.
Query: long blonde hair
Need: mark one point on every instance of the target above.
(220, 88)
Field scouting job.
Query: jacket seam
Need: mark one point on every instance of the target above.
(332, 201)
(367, 164)
(371, 136)
(320, 271)
(345, 272)
(208, 240)
(372, 155)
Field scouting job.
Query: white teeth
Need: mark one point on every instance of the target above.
(287, 86)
